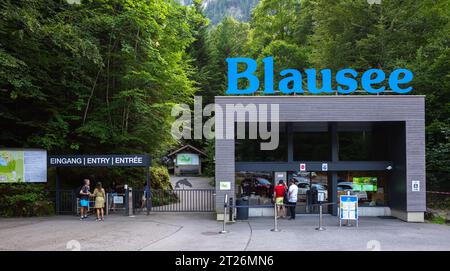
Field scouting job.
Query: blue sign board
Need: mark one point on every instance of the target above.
(348, 207)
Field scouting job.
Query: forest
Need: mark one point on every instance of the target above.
(102, 76)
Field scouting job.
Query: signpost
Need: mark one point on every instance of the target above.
(348, 209)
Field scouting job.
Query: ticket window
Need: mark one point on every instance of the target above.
(280, 176)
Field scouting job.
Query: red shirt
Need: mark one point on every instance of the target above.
(280, 190)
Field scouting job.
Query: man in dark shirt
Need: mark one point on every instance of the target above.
(84, 199)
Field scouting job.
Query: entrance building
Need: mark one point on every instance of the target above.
(370, 146)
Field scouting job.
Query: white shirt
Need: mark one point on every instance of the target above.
(293, 191)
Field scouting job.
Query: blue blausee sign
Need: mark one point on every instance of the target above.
(347, 80)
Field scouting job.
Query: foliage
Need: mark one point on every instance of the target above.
(24, 200)
(210, 149)
(160, 178)
(97, 76)
(163, 197)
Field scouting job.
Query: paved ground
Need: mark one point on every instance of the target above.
(200, 232)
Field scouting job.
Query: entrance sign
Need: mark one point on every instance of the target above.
(18, 166)
(416, 186)
(348, 208)
(134, 160)
(324, 166)
(302, 167)
(225, 185)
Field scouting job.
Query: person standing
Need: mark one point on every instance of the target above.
(100, 196)
(280, 191)
(292, 198)
(144, 198)
(84, 199)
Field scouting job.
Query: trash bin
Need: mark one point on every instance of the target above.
(242, 209)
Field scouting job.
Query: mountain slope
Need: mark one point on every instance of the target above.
(215, 10)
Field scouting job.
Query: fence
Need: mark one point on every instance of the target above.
(64, 201)
(178, 200)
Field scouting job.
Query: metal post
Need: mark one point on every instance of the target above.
(107, 204)
(320, 228)
(126, 199)
(148, 190)
(275, 219)
(230, 204)
(130, 202)
(224, 215)
(57, 193)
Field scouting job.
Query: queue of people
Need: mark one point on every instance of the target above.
(286, 196)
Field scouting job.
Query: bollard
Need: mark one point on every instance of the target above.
(230, 204)
(320, 228)
(107, 204)
(275, 220)
(224, 214)
(130, 202)
(126, 200)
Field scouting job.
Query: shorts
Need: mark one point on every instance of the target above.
(84, 203)
(279, 200)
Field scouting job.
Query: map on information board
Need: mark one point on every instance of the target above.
(23, 166)
(11, 166)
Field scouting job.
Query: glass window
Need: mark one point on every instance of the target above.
(312, 146)
(363, 145)
(354, 146)
(256, 186)
(369, 186)
(249, 150)
(309, 185)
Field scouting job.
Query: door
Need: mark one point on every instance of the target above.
(309, 184)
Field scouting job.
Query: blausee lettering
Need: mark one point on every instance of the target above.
(346, 79)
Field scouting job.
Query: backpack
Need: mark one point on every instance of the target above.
(77, 192)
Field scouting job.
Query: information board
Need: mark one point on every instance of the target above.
(187, 159)
(23, 166)
(348, 207)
